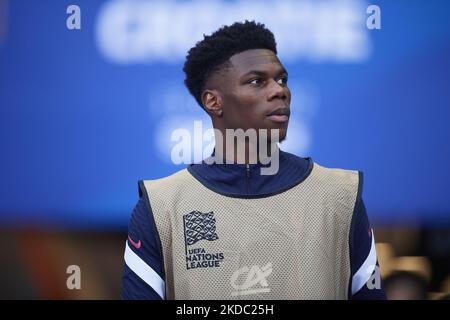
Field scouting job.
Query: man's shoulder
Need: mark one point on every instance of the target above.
(167, 185)
(181, 174)
(337, 176)
(335, 170)
(291, 161)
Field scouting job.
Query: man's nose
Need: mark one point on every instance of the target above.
(277, 91)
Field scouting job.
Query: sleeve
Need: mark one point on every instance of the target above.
(143, 275)
(365, 281)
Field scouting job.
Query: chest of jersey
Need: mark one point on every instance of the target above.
(291, 245)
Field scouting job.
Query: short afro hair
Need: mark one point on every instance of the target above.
(212, 53)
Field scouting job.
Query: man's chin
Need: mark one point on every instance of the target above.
(280, 137)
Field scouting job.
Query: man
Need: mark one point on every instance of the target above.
(227, 231)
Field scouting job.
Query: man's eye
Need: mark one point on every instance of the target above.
(257, 81)
(282, 81)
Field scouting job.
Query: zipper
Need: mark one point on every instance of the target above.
(247, 170)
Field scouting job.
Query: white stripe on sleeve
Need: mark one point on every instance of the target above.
(365, 271)
(144, 271)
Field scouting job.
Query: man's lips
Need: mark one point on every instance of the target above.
(280, 114)
(279, 118)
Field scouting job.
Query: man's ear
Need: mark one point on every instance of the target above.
(212, 102)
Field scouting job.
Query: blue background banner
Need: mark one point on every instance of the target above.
(86, 113)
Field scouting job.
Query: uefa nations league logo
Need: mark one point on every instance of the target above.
(200, 226)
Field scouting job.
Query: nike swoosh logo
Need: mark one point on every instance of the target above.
(137, 245)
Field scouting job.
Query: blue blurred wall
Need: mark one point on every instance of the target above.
(86, 113)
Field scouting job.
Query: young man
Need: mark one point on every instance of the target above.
(226, 231)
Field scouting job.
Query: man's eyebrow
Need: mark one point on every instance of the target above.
(263, 73)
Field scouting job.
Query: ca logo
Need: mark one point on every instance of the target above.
(254, 280)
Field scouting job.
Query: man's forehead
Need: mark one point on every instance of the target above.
(254, 59)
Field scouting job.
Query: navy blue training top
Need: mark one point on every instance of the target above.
(143, 273)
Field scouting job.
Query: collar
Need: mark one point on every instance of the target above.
(246, 181)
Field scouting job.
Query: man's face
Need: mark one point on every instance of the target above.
(254, 92)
